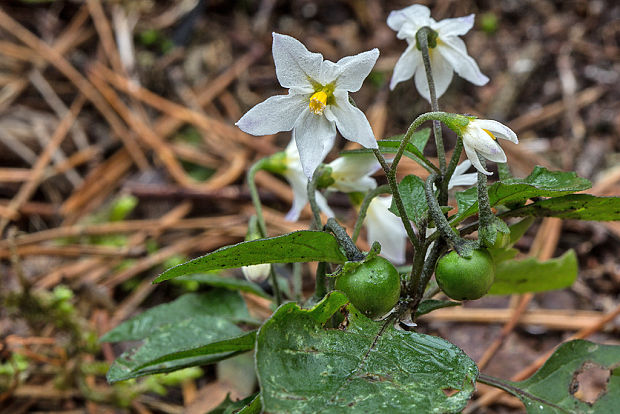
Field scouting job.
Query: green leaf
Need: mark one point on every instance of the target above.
(221, 303)
(227, 282)
(413, 150)
(299, 246)
(540, 183)
(411, 190)
(420, 138)
(553, 388)
(229, 406)
(518, 229)
(575, 206)
(531, 275)
(197, 341)
(429, 305)
(502, 254)
(306, 366)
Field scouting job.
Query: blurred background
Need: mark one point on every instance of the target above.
(119, 158)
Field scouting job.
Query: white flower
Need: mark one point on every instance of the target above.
(383, 226)
(256, 273)
(449, 55)
(460, 178)
(480, 136)
(299, 184)
(352, 172)
(317, 102)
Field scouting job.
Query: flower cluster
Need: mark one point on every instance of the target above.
(318, 104)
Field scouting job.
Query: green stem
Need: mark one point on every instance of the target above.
(273, 279)
(454, 161)
(311, 189)
(514, 390)
(262, 228)
(297, 281)
(350, 249)
(320, 288)
(422, 39)
(462, 246)
(391, 176)
(429, 116)
(254, 194)
(486, 217)
(382, 189)
(427, 273)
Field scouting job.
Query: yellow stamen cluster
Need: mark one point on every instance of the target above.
(490, 134)
(318, 102)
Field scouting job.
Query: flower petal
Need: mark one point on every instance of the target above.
(461, 168)
(256, 273)
(473, 157)
(349, 71)
(278, 113)
(479, 139)
(387, 229)
(408, 63)
(295, 65)
(351, 122)
(351, 173)
(498, 129)
(442, 75)
(454, 51)
(454, 27)
(463, 179)
(314, 136)
(417, 14)
(322, 203)
(298, 182)
(460, 178)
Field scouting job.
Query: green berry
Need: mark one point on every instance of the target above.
(465, 279)
(373, 287)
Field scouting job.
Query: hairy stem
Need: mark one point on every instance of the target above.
(350, 249)
(462, 246)
(391, 176)
(382, 189)
(311, 189)
(255, 197)
(422, 39)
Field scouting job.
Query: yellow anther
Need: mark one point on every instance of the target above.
(318, 102)
(490, 134)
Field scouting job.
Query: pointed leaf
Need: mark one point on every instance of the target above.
(540, 183)
(574, 206)
(196, 341)
(429, 305)
(304, 365)
(222, 303)
(299, 246)
(227, 282)
(411, 190)
(531, 275)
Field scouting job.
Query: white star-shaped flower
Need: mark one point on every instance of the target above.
(480, 136)
(317, 102)
(448, 56)
(383, 226)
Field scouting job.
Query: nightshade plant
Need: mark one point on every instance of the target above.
(322, 354)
